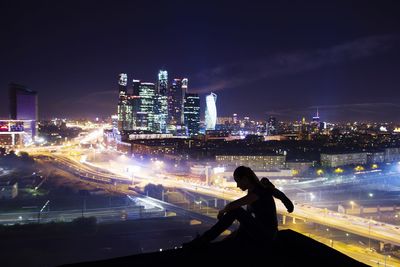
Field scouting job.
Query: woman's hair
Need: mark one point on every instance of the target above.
(243, 171)
(266, 182)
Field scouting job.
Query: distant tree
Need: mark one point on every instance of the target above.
(25, 158)
(154, 190)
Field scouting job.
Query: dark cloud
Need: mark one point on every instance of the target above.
(245, 72)
(351, 111)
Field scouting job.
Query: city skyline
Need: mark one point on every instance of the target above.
(258, 59)
(152, 132)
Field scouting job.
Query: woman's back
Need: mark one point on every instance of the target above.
(264, 209)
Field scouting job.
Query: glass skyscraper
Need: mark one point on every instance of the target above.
(124, 112)
(192, 114)
(211, 111)
(147, 93)
(161, 108)
(176, 94)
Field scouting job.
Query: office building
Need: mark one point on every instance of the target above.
(272, 126)
(255, 162)
(343, 159)
(192, 114)
(211, 111)
(161, 107)
(176, 96)
(124, 111)
(24, 106)
(147, 93)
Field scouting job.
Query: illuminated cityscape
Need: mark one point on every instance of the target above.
(107, 145)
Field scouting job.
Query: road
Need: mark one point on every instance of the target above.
(102, 214)
(368, 228)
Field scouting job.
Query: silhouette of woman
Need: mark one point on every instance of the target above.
(260, 229)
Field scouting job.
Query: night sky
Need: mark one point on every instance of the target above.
(260, 59)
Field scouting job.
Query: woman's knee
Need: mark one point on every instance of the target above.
(238, 212)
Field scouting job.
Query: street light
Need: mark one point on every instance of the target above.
(352, 205)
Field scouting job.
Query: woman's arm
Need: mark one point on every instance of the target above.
(285, 200)
(246, 200)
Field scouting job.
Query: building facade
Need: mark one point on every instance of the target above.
(343, 159)
(255, 162)
(211, 111)
(192, 114)
(176, 95)
(124, 109)
(161, 103)
(147, 93)
(24, 106)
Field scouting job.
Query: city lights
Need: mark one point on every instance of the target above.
(144, 125)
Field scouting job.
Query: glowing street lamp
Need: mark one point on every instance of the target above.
(359, 168)
(339, 170)
(352, 204)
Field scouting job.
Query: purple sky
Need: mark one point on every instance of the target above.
(260, 59)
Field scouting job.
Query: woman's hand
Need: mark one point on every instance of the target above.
(220, 214)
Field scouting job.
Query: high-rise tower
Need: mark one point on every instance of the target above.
(192, 114)
(24, 106)
(161, 104)
(124, 112)
(147, 93)
(176, 96)
(211, 111)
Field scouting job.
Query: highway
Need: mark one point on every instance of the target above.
(102, 214)
(368, 228)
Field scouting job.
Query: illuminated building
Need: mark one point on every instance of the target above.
(135, 102)
(192, 113)
(343, 159)
(15, 133)
(272, 126)
(161, 108)
(176, 96)
(147, 93)
(211, 111)
(235, 118)
(316, 119)
(224, 120)
(124, 111)
(123, 83)
(24, 106)
(255, 162)
(114, 123)
(316, 124)
(162, 85)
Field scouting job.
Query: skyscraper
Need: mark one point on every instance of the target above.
(176, 96)
(192, 114)
(124, 106)
(316, 124)
(135, 103)
(272, 126)
(211, 111)
(147, 93)
(24, 106)
(315, 118)
(161, 107)
(162, 83)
